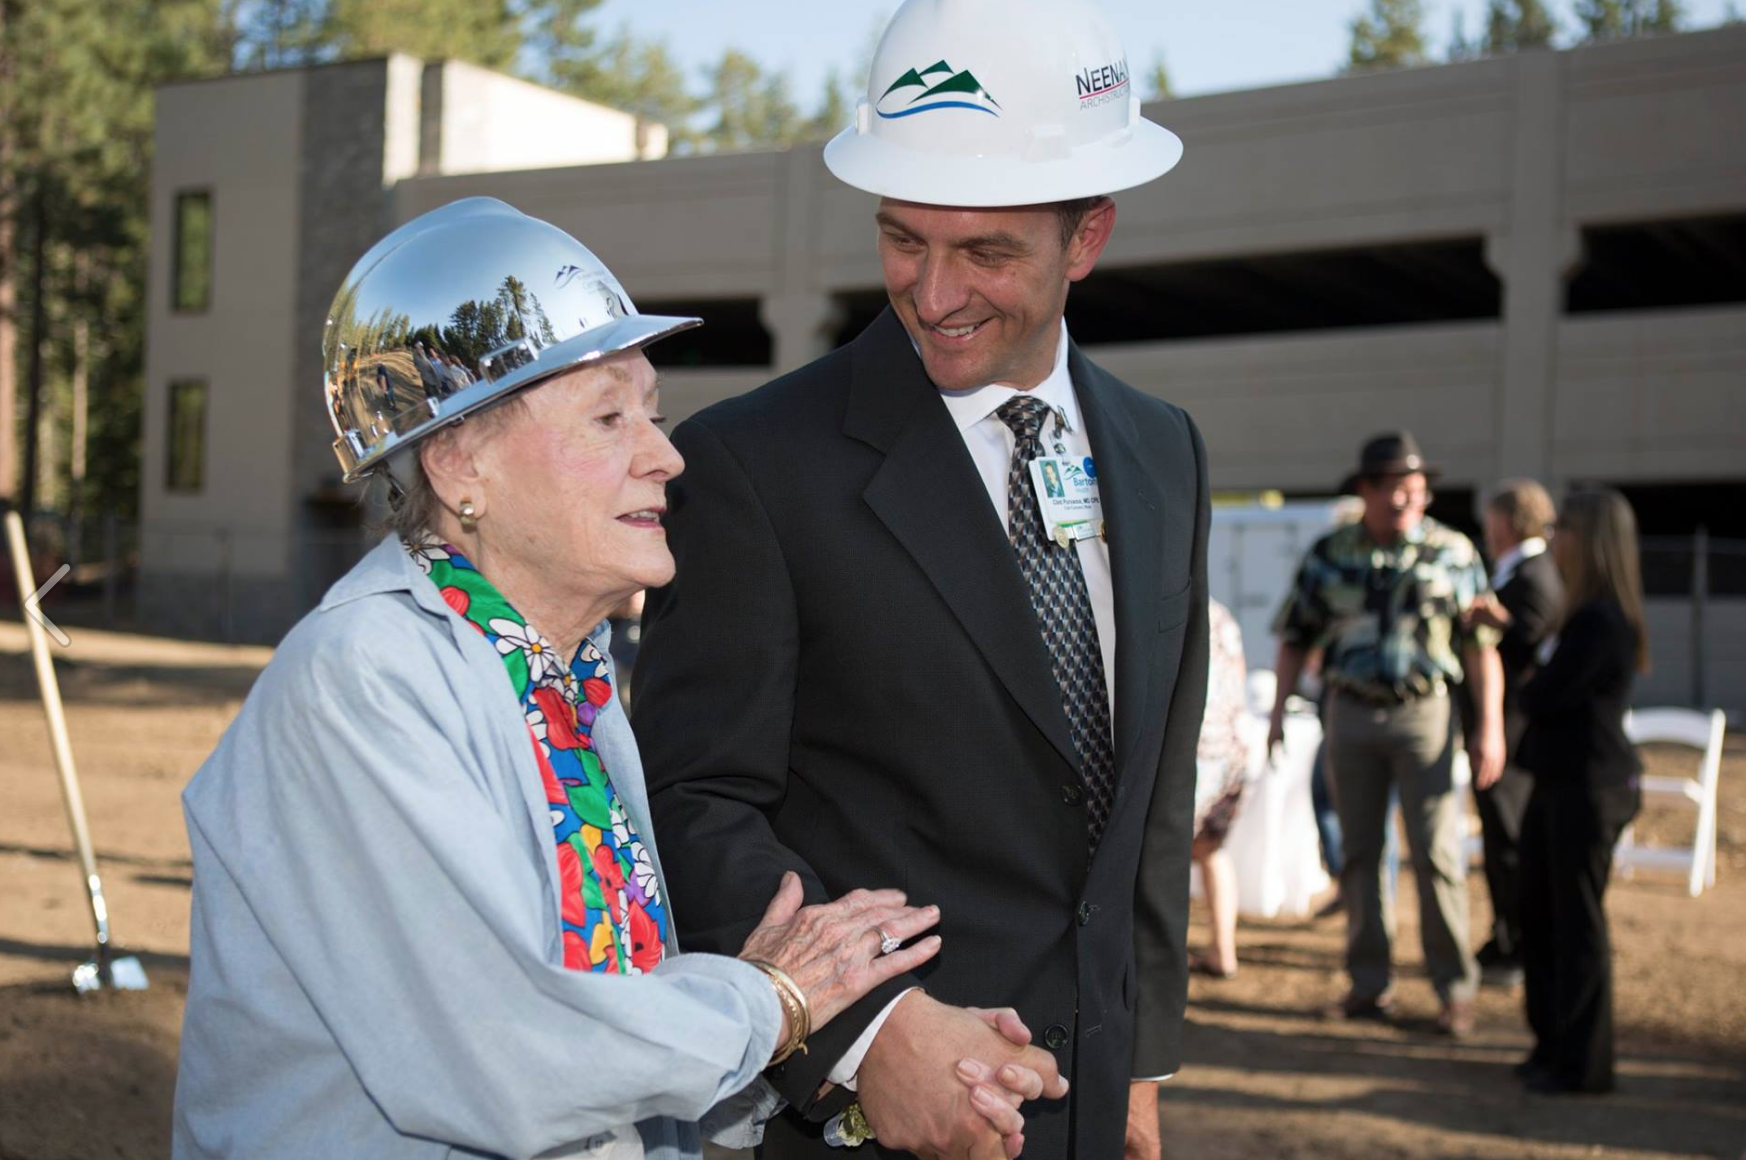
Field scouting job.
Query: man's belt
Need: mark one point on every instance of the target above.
(1388, 696)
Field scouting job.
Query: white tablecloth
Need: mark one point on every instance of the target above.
(1273, 842)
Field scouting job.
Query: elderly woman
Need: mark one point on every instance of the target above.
(428, 914)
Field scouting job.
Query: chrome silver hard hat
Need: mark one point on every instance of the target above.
(455, 310)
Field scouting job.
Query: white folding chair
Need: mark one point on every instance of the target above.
(1703, 732)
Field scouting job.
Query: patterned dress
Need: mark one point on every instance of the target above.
(613, 916)
(1222, 759)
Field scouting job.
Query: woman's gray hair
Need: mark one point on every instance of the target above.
(413, 504)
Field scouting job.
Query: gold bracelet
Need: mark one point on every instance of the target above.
(794, 1004)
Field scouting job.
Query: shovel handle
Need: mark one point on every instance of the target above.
(50, 689)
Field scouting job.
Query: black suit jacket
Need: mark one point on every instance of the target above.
(1576, 704)
(1533, 596)
(847, 680)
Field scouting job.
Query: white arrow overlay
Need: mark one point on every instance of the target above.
(35, 613)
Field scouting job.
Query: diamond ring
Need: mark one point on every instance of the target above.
(887, 944)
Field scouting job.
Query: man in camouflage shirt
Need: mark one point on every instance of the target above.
(1383, 599)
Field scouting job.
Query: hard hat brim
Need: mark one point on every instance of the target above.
(1142, 153)
(632, 332)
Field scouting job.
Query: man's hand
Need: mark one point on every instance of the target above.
(917, 1098)
(1485, 676)
(1489, 761)
(998, 1094)
(1288, 670)
(1143, 1141)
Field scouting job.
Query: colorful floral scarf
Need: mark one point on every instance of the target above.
(614, 919)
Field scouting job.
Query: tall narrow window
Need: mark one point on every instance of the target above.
(192, 291)
(187, 458)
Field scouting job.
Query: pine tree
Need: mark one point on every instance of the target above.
(1460, 48)
(834, 111)
(77, 130)
(1618, 19)
(752, 110)
(637, 76)
(9, 151)
(1514, 25)
(485, 32)
(1389, 35)
(1158, 80)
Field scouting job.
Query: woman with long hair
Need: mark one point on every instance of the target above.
(1585, 792)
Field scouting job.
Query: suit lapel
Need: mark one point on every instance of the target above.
(929, 496)
(1132, 502)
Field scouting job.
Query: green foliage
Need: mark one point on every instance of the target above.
(494, 33)
(1514, 25)
(752, 110)
(835, 110)
(77, 110)
(1390, 35)
(1460, 47)
(640, 77)
(1618, 19)
(1158, 80)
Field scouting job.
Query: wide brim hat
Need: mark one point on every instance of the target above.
(1391, 453)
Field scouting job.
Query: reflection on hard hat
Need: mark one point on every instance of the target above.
(460, 307)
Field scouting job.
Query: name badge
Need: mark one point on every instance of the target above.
(1067, 498)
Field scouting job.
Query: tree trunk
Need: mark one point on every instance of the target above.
(81, 402)
(38, 345)
(8, 263)
(81, 374)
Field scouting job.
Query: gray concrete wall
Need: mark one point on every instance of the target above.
(238, 139)
(1674, 677)
(1650, 396)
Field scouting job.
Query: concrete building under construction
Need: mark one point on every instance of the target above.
(1536, 262)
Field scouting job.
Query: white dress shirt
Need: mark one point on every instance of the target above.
(1512, 559)
(991, 442)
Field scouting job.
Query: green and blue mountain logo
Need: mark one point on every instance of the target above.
(939, 86)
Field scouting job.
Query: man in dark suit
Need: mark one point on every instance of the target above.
(892, 657)
(1526, 602)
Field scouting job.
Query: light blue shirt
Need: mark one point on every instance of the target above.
(377, 958)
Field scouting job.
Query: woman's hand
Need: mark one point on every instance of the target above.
(832, 951)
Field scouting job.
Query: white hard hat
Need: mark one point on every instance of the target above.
(1000, 102)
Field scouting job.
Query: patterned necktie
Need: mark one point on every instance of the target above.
(1063, 609)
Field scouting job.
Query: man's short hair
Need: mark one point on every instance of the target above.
(1524, 505)
(1071, 215)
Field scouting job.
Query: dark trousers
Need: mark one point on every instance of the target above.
(1501, 809)
(1568, 834)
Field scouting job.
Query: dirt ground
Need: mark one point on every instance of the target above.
(82, 1078)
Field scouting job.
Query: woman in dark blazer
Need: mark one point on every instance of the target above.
(1585, 791)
